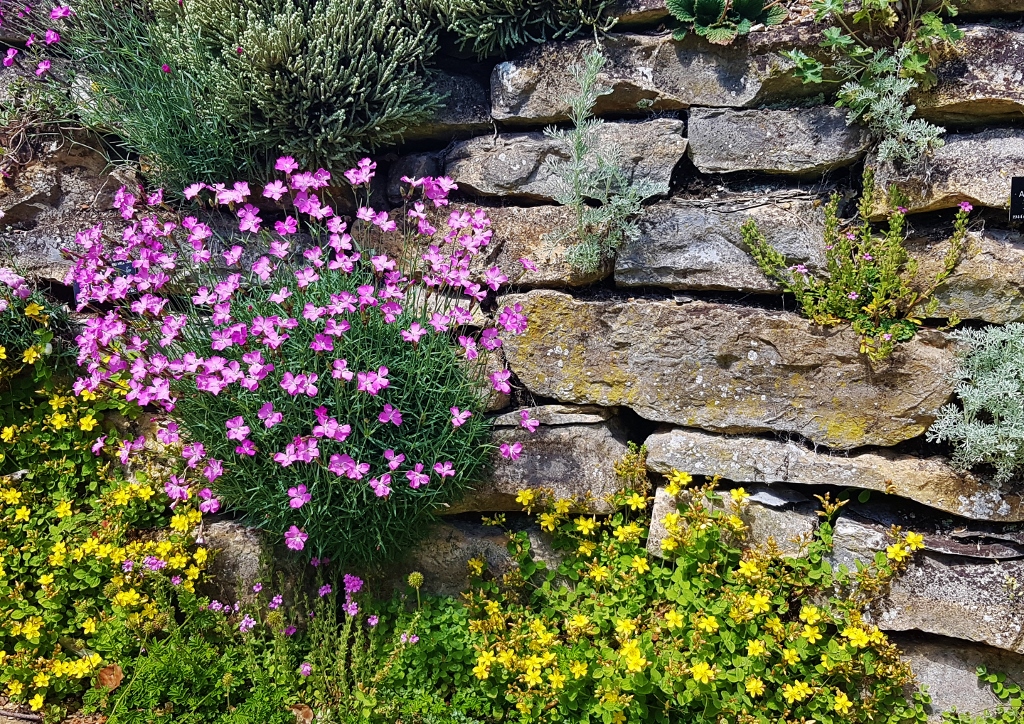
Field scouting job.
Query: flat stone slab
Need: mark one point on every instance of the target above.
(574, 459)
(799, 142)
(697, 244)
(643, 73)
(980, 79)
(727, 368)
(930, 481)
(466, 109)
(514, 165)
(975, 167)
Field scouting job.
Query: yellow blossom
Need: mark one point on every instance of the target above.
(811, 633)
(14, 689)
(46, 580)
(739, 494)
(59, 421)
(625, 627)
(673, 619)
(586, 526)
(179, 522)
(33, 310)
(63, 509)
(532, 678)
(708, 624)
(579, 621)
(669, 544)
(557, 680)
(914, 541)
(702, 673)
(475, 565)
(760, 602)
(88, 395)
(36, 702)
(810, 615)
(87, 422)
(755, 648)
(89, 626)
(3, 352)
(41, 681)
(578, 669)
(677, 481)
(897, 552)
(8, 433)
(562, 506)
(548, 521)
(599, 573)
(640, 564)
(736, 523)
(754, 686)
(749, 570)
(636, 501)
(31, 355)
(796, 692)
(587, 548)
(857, 637)
(22, 513)
(143, 492)
(842, 703)
(790, 656)
(526, 497)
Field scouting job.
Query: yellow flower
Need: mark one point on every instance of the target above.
(41, 681)
(673, 619)
(702, 673)
(33, 310)
(143, 492)
(790, 656)
(599, 573)
(46, 579)
(755, 648)
(88, 422)
(548, 521)
(810, 615)
(21, 513)
(586, 526)
(754, 686)
(579, 621)
(30, 629)
(749, 570)
(811, 633)
(123, 496)
(36, 702)
(557, 680)
(63, 509)
(31, 355)
(88, 395)
(914, 541)
(677, 481)
(8, 433)
(532, 678)
(739, 494)
(562, 506)
(669, 544)
(857, 637)
(625, 627)
(897, 552)
(3, 352)
(179, 522)
(842, 703)
(587, 548)
(526, 497)
(708, 624)
(59, 421)
(736, 523)
(640, 564)
(476, 566)
(760, 602)
(578, 669)
(796, 692)
(14, 689)
(636, 501)
(618, 718)
(89, 626)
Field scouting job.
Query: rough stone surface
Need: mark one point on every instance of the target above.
(416, 165)
(574, 460)
(992, 7)
(515, 165)
(974, 167)
(803, 142)
(949, 669)
(981, 79)
(551, 415)
(466, 109)
(442, 558)
(785, 517)
(236, 560)
(629, 13)
(728, 368)
(964, 598)
(697, 244)
(930, 481)
(643, 73)
(49, 201)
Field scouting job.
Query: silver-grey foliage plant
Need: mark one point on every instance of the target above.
(988, 426)
(604, 200)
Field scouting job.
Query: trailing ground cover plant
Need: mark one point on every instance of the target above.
(602, 197)
(987, 427)
(331, 393)
(710, 633)
(870, 280)
(880, 53)
(722, 21)
(74, 565)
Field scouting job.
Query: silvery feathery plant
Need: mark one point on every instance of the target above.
(329, 392)
(604, 200)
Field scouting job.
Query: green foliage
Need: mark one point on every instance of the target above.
(988, 426)
(712, 633)
(603, 198)
(1008, 691)
(880, 54)
(870, 279)
(490, 26)
(722, 21)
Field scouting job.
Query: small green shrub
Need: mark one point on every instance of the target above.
(722, 21)
(602, 197)
(487, 27)
(870, 279)
(879, 54)
(988, 425)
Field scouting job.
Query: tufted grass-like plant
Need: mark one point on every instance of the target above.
(710, 633)
(318, 390)
(870, 278)
(988, 425)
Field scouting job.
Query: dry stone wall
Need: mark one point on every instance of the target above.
(683, 344)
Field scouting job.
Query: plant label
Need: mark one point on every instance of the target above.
(1017, 199)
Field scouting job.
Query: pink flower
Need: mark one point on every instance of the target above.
(414, 333)
(9, 58)
(290, 225)
(246, 448)
(269, 417)
(394, 460)
(306, 276)
(307, 668)
(340, 370)
(528, 265)
(52, 37)
(390, 414)
(853, 295)
(232, 256)
(966, 206)
(524, 420)
(295, 539)
(469, 344)
(459, 417)
(416, 476)
(321, 343)
(440, 322)
(298, 496)
(279, 296)
(193, 453)
(511, 452)
(373, 382)
(286, 164)
(213, 470)
(97, 447)
(44, 65)
(445, 470)
(165, 68)
(168, 435)
(60, 11)
(500, 381)
(210, 504)
(382, 486)
(237, 429)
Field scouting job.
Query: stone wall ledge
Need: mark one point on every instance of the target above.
(728, 368)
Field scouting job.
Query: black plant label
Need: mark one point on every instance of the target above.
(1017, 199)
